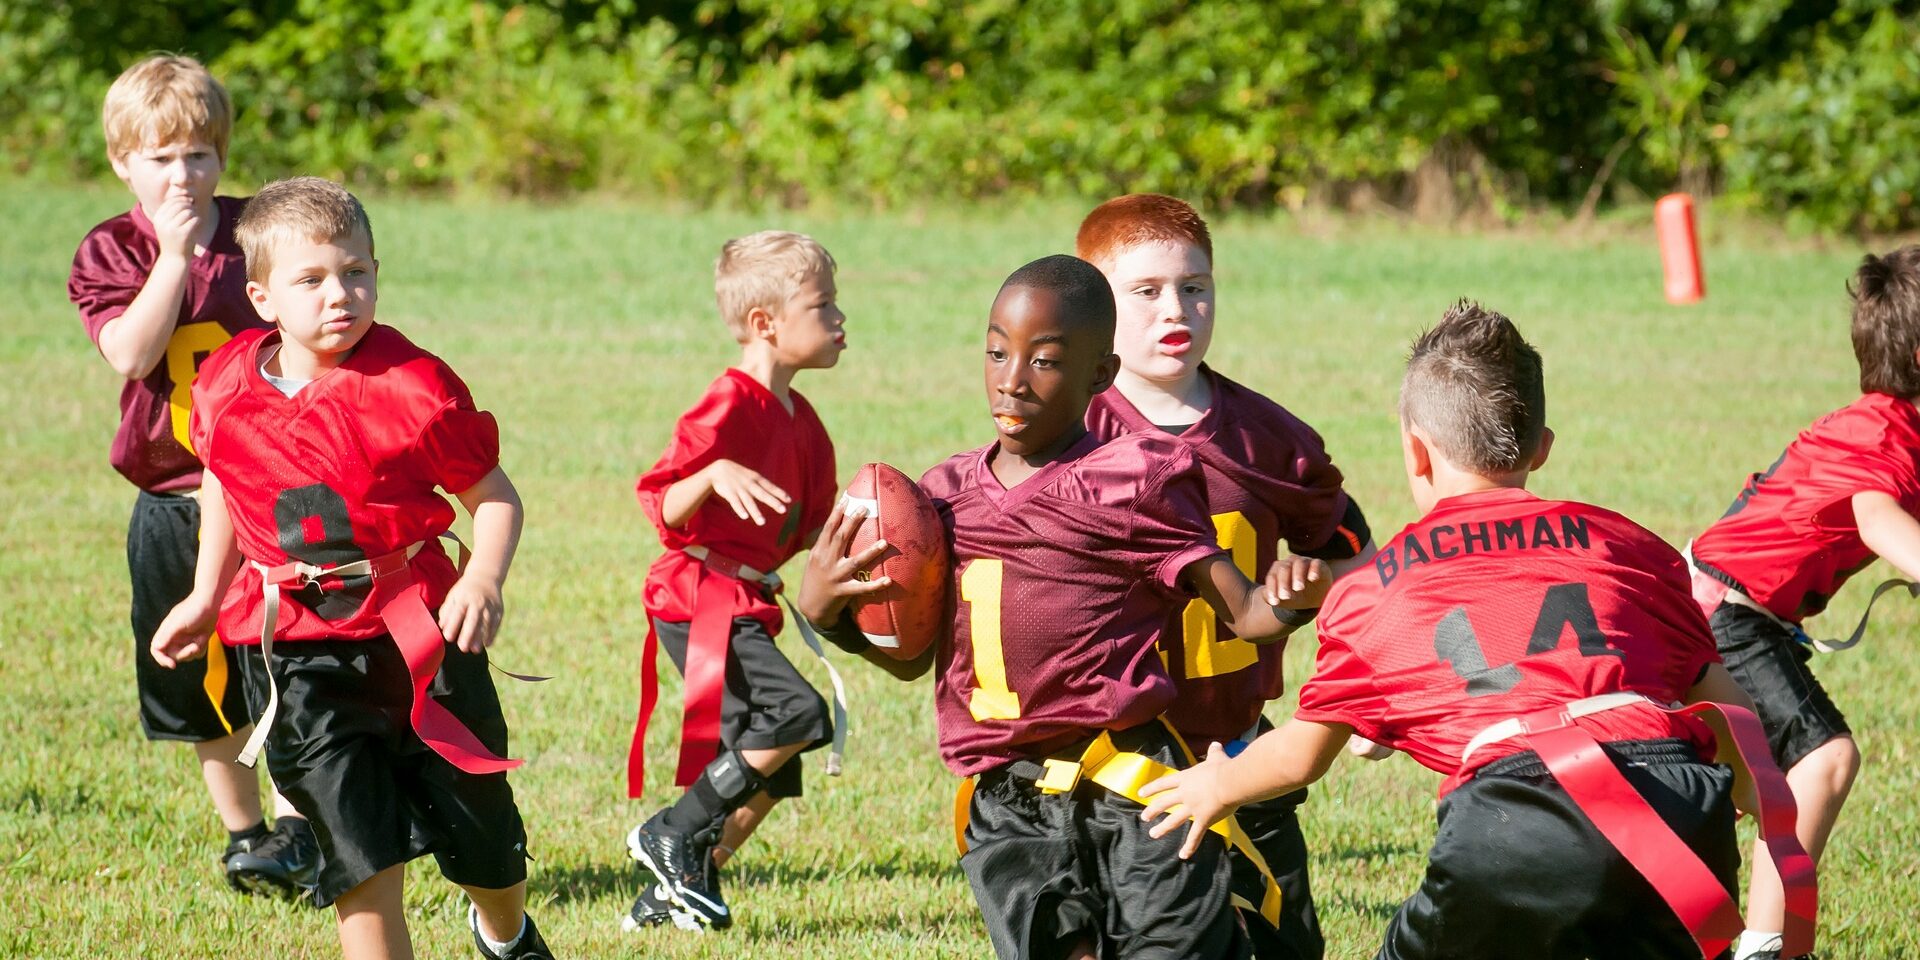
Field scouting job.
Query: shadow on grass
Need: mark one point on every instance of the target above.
(1358, 906)
(1380, 851)
(588, 881)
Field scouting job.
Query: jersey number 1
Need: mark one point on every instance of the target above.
(992, 699)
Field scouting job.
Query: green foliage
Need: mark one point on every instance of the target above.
(898, 101)
(1830, 136)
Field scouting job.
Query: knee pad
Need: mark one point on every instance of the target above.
(734, 779)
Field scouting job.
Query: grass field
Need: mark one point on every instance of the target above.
(588, 327)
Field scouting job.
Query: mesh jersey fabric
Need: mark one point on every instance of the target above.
(1498, 604)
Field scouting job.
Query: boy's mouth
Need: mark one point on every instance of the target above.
(1177, 342)
(1009, 423)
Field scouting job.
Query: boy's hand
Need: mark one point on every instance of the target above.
(471, 614)
(1366, 749)
(185, 632)
(1298, 583)
(745, 490)
(1186, 795)
(832, 578)
(175, 224)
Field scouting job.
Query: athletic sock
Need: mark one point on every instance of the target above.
(700, 806)
(496, 947)
(1754, 942)
(298, 826)
(249, 836)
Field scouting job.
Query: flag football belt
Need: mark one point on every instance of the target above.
(1623, 816)
(403, 609)
(1710, 591)
(1126, 773)
(706, 671)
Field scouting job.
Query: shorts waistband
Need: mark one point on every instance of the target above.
(1145, 738)
(171, 498)
(1662, 751)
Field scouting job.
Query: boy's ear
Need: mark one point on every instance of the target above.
(1418, 455)
(760, 323)
(119, 165)
(257, 293)
(1103, 374)
(1540, 455)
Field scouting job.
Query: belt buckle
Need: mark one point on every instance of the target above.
(1062, 776)
(388, 564)
(1541, 721)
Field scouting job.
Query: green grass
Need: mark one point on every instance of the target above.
(588, 327)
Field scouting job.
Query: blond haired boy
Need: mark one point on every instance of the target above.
(745, 483)
(327, 442)
(158, 288)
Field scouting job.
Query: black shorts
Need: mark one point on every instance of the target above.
(1049, 871)
(1273, 826)
(1771, 665)
(766, 703)
(198, 700)
(1517, 871)
(344, 752)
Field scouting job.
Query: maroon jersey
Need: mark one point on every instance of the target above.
(152, 447)
(1789, 540)
(1498, 604)
(341, 471)
(1063, 586)
(738, 419)
(1268, 478)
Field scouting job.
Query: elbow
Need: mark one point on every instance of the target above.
(128, 367)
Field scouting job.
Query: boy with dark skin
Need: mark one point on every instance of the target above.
(1072, 556)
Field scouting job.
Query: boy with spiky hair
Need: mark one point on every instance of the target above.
(1528, 649)
(158, 288)
(1072, 556)
(744, 484)
(327, 442)
(1844, 492)
(1268, 478)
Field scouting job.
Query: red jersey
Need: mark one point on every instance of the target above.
(153, 447)
(1497, 604)
(738, 419)
(343, 470)
(1789, 540)
(1268, 478)
(1063, 587)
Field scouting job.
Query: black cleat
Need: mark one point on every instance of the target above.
(286, 864)
(528, 947)
(683, 864)
(652, 908)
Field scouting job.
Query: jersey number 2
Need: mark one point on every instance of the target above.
(1565, 605)
(1207, 653)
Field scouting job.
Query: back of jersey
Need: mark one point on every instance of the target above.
(1498, 604)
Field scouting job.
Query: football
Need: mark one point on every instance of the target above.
(905, 619)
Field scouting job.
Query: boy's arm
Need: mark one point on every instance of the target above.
(1263, 614)
(134, 341)
(1347, 565)
(188, 627)
(1277, 762)
(1716, 685)
(743, 489)
(1888, 530)
(470, 615)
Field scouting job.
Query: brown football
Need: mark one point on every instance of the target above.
(906, 618)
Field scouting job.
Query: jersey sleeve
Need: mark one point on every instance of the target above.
(1170, 522)
(460, 444)
(104, 281)
(1342, 690)
(1314, 507)
(699, 438)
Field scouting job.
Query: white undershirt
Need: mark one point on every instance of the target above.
(288, 386)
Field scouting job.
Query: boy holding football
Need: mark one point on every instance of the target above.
(744, 484)
(1268, 479)
(327, 441)
(1072, 556)
(160, 287)
(1843, 493)
(1527, 649)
